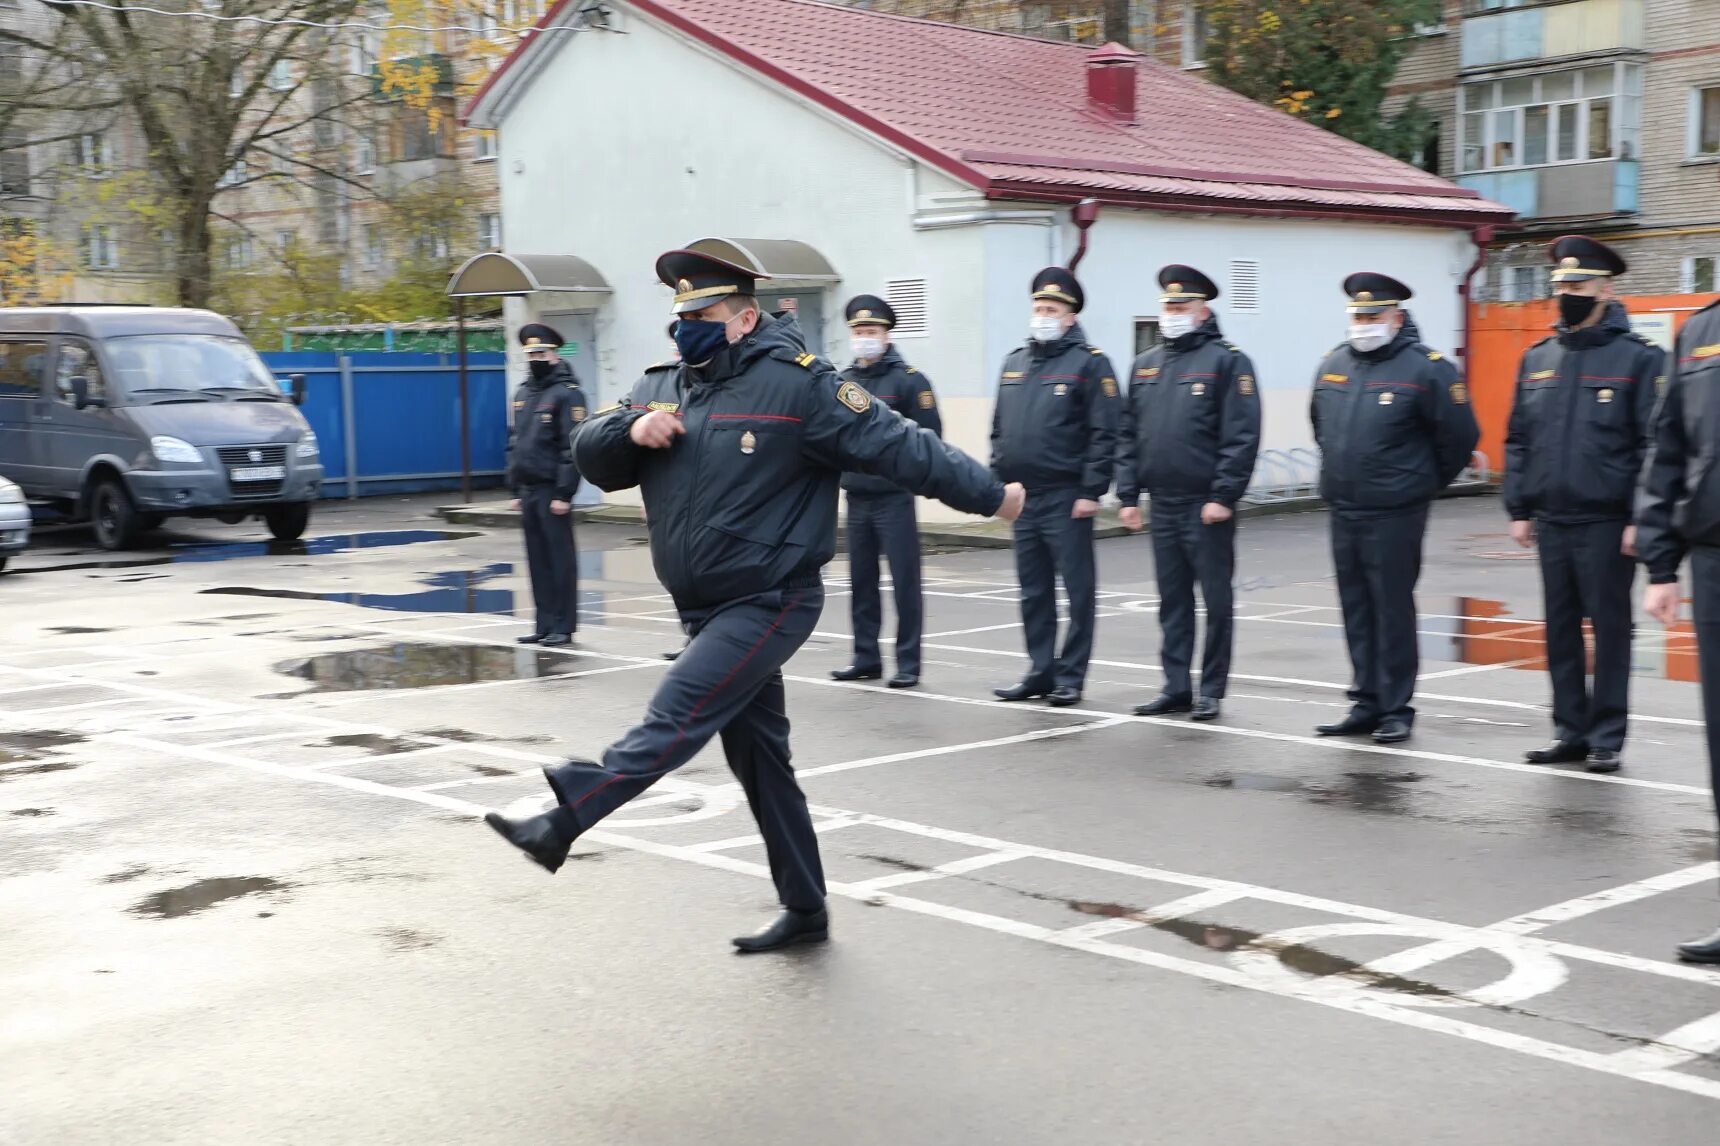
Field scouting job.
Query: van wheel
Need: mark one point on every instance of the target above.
(115, 519)
(288, 522)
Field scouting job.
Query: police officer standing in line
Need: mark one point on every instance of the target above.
(880, 512)
(1054, 430)
(547, 407)
(1394, 426)
(1579, 430)
(1678, 513)
(738, 450)
(1190, 433)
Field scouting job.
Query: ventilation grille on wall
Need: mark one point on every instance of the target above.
(1244, 284)
(907, 297)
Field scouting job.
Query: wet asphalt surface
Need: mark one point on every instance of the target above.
(244, 896)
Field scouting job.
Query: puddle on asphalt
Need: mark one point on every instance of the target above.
(31, 812)
(1381, 792)
(74, 630)
(374, 742)
(202, 895)
(467, 736)
(458, 591)
(413, 665)
(407, 939)
(35, 740)
(33, 769)
(127, 874)
(189, 552)
(1309, 961)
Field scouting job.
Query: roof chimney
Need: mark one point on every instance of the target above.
(1111, 81)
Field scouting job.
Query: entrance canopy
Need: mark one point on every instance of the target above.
(495, 273)
(785, 262)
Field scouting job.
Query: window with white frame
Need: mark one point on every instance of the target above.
(1523, 284)
(281, 75)
(233, 176)
(1701, 274)
(366, 49)
(1705, 121)
(484, 145)
(93, 151)
(14, 163)
(1195, 32)
(490, 231)
(239, 251)
(364, 162)
(101, 248)
(1560, 117)
(372, 251)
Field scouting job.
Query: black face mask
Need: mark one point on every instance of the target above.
(541, 370)
(1574, 309)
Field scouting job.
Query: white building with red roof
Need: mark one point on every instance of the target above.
(847, 151)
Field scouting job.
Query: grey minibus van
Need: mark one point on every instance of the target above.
(126, 415)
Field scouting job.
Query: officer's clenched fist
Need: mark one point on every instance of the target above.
(1014, 498)
(656, 430)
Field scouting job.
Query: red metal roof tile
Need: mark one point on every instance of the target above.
(1011, 115)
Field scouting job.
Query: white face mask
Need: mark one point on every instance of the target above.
(1176, 325)
(1366, 336)
(1045, 327)
(867, 348)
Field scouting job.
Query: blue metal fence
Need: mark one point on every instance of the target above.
(389, 422)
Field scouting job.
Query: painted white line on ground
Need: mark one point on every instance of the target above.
(382, 757)
(110, 702)
(955, 867)
(1321, 742)
(294, 734)
(1611, 897)
(32, 688)
(947, 749)
(1470, 670)
(1685, 1044)
(1352, 1002)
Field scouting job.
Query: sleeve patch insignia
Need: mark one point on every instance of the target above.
(579, 413)
(927, 402)
(1110, 385)
(666, 407)
(1245, 384)
(853, 397)
(1459, 394)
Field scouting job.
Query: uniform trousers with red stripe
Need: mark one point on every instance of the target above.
(727, 682)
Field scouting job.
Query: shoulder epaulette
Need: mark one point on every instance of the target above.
(910, 370)
(803, 359)
(1232, 347)
(1094, 349)
(1433, 355)
(656, 366)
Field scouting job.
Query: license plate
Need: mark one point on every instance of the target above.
(259, 473)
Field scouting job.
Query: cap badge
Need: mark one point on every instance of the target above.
(684, 285)
(748, 442)
(1054, 286)
(1365, 296)
(864, 314)
(1176, 288)
(1570, 261)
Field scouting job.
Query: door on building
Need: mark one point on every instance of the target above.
(807, 306)
(579, 327)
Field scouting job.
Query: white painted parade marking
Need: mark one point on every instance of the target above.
(1321, 742)
(110, 702)
(1611, 897)
(1164, 912)
(1471, 670)
(1356, 1002)
(955, 867)
(947, 749)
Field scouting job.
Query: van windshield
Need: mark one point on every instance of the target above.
(157, 367)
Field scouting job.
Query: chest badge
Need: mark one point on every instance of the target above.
(1387, 398)
(748, 442)
(1197, 389)
(1062, 389)
(546, 417)
(1604, 397)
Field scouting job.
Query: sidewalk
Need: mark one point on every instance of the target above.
(978, 534)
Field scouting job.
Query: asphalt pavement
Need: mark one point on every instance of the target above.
(245, 895)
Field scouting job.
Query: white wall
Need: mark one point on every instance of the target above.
(619, 167)
(1302, 267)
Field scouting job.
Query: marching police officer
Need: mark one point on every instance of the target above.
(547, 407)
(738, 450)
(1394, 426)
(1190, 433)
(1054, 430)
(1678, 513)
(1580, 426)
(881, 513)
